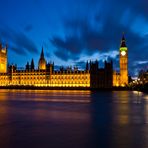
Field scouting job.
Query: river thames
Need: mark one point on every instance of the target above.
(73, 119)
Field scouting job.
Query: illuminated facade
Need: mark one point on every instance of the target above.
(45, 75)
(42, 61)
(3, 59)
(121, 79)
(45, 78)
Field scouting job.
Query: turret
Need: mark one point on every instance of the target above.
(42, 61)
(27, 66)
(87, 66)
(123, 41)
(32, 64)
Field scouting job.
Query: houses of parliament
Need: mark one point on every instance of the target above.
(45, 76)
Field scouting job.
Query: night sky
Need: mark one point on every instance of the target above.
(74, 31)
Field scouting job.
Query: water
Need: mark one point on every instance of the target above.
(73, 119)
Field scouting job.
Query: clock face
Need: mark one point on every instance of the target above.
(123, 53)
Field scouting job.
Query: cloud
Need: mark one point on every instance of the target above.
(137, 66)
(80, 64)
(17, 41)
(101, 31)
(71, 47)
(84, 28)
(82, 37)
(141, 62)
(28, 28)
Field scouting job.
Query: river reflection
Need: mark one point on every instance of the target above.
(46, 95)
(73, 119)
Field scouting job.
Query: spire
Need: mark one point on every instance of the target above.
(42, 61)
(6, 45)
(32, 64)
(42, 53)
(27, 66)
(0, 45)
(123, 42)
(87, 66)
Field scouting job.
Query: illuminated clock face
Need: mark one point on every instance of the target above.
(123, 53)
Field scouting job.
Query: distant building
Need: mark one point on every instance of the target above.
(143, 77)
(46, 76)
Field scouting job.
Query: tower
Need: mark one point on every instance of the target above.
(123, 51)
(3, 59)
(32, 64)
(42, 61)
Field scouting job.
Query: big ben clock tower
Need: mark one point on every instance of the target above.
(123, 62)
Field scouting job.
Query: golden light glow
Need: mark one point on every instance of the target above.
(44, 78)
(3, 60)
(121, 79)
(2, 66)
(65, 96)
(3, 50)
(123, 53)
(38, 79)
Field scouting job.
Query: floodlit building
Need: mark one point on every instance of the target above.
(46, 76)
(121, 78)
(3, 59)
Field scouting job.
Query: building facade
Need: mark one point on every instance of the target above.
(121, 78)
(3, 59)
(101, 77)
(45, 75)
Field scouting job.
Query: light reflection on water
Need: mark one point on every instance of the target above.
(47, 95)
(73, 119)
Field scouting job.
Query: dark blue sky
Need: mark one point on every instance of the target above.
(74, 31)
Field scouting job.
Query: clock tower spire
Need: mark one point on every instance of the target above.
(123, 41)
(123, 51)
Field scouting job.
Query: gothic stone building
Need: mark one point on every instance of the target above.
(46, 76)
(121, 78)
